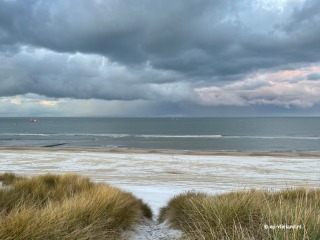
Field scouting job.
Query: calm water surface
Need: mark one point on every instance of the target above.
(196, 134)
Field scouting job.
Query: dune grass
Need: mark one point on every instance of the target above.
(65, 207)
(9, 178)
(247, 215)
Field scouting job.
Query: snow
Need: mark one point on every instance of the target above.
(150, 230)
(157, 177)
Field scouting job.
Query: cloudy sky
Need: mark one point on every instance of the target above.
(159, 57)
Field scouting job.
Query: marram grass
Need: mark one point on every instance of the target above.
(65, 207)
(8, 178)
(290, 214)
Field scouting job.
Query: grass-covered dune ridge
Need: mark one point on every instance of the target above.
(65, 207)
(287, 214)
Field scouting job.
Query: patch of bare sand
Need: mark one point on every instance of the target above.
(160, 151)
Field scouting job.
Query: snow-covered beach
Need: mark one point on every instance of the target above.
(156, 176)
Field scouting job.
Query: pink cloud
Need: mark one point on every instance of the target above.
(270, 88)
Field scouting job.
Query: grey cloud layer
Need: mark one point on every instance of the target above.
(199, 37)
(83, 76)
(155, 49)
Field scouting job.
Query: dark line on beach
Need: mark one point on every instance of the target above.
(55, 145)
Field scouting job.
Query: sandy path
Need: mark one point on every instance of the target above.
(150, 230)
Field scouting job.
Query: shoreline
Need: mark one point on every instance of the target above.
(164, 151)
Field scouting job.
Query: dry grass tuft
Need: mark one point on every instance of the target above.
(247, 214)
(8, 178)
(66, 207)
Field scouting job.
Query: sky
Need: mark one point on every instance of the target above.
(151, 58)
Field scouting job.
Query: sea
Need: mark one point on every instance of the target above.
(263, 134)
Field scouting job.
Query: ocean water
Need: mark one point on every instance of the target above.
(195, 134)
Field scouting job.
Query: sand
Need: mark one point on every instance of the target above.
(160, 151)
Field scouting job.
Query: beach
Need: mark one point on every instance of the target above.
(157, 175)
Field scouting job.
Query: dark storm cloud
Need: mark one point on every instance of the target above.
(199, 37)
(306, 15)
(82, 76)
(303, 33)
(167, 51)
(123, 30)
